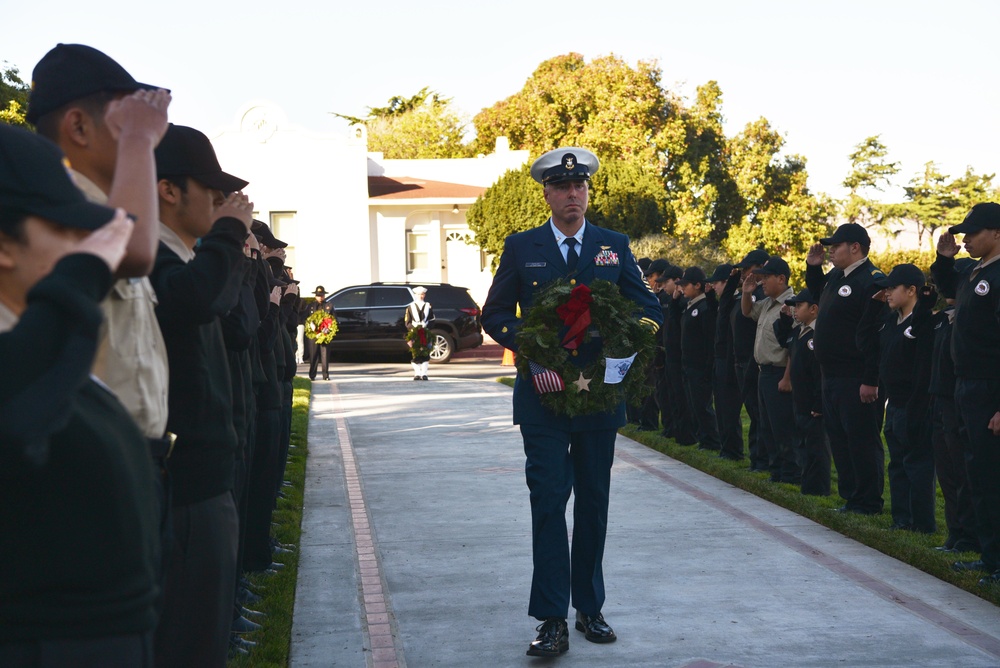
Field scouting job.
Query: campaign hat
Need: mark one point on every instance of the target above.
(851, 233)
(805, 296)
(721, 273)
(775, 266)
(565, 164)
(902, 274)
(983, 216)
(692, 275)
(320, 290)
(757, 256)
(184, 151)
(72, 71)
(35, 180)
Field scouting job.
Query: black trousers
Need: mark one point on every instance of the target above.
(557, 463)
(747, 374)
(319, 351)
(127, 651)
(728, 409)
(949, 464)
(976, 401)
(911, 472)
(777, 426)
(815, 453)
(261, 490)
(855, 443)
(194, 628)
(698, 388)
(682, 421)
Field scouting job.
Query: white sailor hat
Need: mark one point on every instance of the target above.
(564, 164)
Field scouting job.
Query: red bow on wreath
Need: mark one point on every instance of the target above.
(325, 325)
(422, 333)
(575, 314)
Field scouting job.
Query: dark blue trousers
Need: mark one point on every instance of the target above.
(853, 428)
(560, 462)
(777, 426)
(977, 403)
(912, 495)
(748, 374)
(728, 408)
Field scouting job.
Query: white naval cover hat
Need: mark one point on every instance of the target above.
(564, 164)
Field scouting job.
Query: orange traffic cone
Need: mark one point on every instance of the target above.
(508, 357)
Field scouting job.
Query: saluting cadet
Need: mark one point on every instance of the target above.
(655, 402)
(681, 425)
(851, 410)
(948, 440)
(904, 337)
(777, 415)
(747, 372)
(697, 315)
(565, 455)
(725, 385)
(975, 348)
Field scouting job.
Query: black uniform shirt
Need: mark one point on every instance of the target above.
(697, 323)
(942, 383)
(975, 338)
(803, 367)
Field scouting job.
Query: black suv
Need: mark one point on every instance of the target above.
(370, 319)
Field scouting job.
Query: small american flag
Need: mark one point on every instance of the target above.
(544, 379)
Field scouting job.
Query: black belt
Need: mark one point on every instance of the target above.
(162, 448)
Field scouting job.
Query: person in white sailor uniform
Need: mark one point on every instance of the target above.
(565, 455)
(419, 313)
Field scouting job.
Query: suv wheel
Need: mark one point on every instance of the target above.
(443, 348)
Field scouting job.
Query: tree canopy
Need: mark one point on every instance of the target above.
(13, 97)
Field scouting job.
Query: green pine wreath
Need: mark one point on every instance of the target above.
(321, 326)
(616, 319)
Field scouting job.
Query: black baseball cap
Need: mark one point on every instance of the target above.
(774, 266)
(758, 256)
(643, 262)
(184, 151)
(804, 297)
(264, 234)
(34, 181)
(983, 216)
(851, 233)
(671, 272)
(721, 273)
(692, 275)
(71, 71)
(655, 266)
(902, 274)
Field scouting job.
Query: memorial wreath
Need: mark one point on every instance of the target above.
(321, 326)
(562, 318)
(419, 342)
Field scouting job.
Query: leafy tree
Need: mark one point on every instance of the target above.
(13, 97)
(421, 126)
(968, 190)
(700, 186)
(870, 170)
(513, 204)
(606, 105)
(627, 197)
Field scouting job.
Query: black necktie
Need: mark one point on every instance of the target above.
(571, 254)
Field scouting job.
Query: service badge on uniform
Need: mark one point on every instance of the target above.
(753, 299)
(811, 344)
(844, 291)
(908, 332)
(982, 288)
(694, 313)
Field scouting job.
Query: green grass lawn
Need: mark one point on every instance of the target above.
(912, 548)
(278, 590)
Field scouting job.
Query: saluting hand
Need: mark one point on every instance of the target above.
(141, 114)
(109, 242)
(276, 295)
(238, 206)
(995, 424)
(946, 245)
(749, 284)
(868, 393)
(816, 255)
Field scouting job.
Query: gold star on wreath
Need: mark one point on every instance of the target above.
(582, 384)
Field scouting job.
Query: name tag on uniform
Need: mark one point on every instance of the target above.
(534, 264)
(606, 258)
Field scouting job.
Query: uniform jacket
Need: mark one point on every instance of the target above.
(531, 260)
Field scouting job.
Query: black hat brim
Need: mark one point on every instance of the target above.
(227, 183)
(964, 228)
(81, 215)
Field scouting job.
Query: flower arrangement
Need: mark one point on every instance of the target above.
(565, 318)
(321, 326)
(418, 340)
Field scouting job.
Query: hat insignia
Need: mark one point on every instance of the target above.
(569, 161)
(844, 291)
(982, 288)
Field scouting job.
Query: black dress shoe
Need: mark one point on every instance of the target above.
(552, 640)
(595, 629)
(424, 378)
(968, 566)
(244, 596)
(991, 579)
(244, 625)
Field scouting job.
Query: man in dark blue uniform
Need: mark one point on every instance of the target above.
(565, 454)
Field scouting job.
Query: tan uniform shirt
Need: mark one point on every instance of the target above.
(132, 358)
(766, 349)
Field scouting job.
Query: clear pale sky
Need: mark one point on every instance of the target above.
(923, 74)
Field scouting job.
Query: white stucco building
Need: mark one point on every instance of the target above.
(350, 216)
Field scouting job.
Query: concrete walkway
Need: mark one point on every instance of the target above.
(416, 552)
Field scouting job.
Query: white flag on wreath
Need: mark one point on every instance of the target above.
(615, 369)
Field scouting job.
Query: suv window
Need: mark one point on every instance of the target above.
(398, 297)
(350, 299)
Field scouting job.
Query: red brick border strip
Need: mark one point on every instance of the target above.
(377, 621)
(972, 636)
